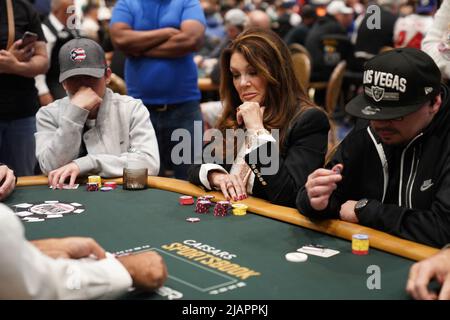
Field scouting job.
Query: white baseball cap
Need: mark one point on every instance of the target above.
(236, 17)
(338, 6)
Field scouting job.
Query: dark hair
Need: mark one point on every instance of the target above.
(285, 99)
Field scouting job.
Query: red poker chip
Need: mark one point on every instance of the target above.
(110, 184)
(186, 200)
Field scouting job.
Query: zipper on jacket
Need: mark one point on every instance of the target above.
(402, 160)
(384, 163)
(411, 174)
(412, 182)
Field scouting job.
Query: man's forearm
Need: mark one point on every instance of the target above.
(136, 42)
(177, 46)
(37, 65)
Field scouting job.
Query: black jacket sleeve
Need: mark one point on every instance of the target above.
(350, 153)
(429, 226)
(194, 171)
(305, 148)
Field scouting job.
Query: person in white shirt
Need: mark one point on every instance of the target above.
(90, 25)
(67, 268)
(56, 28)
(410, 30)
(93, 130)
(437, 40)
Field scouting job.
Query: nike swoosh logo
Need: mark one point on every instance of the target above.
(425, 187)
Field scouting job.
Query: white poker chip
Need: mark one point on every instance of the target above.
(76, 204)
(192, 219)
(23, 205)
(296, 257)
(52, 216)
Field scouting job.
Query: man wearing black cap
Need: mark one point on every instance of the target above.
(93, 130)
(392, 172)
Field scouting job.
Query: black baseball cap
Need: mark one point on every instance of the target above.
(81, 56)
(396, 83)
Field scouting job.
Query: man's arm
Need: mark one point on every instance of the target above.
(26, 273)
(38, 63)
(58, 137)
(45, 96)
(135, 43)
(190, 39)
(142, 137)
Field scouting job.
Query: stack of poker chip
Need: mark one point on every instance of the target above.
(207, 197)
(110, 184)
(202, 206)
(360, 244)
(95, 179)
(239, 209)
(186, 200)
(92, 186)
(222, 208)
(94, 183)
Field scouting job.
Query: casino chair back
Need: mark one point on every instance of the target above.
(333, 93)
(334, 87)
(117, 84)
(302, 69)
(298, 48)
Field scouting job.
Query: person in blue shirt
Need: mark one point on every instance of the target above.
(159, 38)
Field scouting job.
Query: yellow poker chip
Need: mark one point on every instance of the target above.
(239, 209)
(95, 179)
(360, 244)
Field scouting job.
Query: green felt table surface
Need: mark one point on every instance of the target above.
(130, 221)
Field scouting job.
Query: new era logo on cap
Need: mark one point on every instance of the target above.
(78, 54)
(370, 111)
(396, 83)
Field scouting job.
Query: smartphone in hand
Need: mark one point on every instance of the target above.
(28, 37)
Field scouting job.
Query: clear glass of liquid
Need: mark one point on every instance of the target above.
(134, 175)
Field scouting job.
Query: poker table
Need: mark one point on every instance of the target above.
(230, 257)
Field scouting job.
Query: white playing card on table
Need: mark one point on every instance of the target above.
(324, 253)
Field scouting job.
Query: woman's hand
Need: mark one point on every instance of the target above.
(251, 115)
(231, 185)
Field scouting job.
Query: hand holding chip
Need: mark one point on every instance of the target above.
(321, 184)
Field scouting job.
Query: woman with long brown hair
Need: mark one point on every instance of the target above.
(282, 128)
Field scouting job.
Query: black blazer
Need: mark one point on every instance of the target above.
(305, 148)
